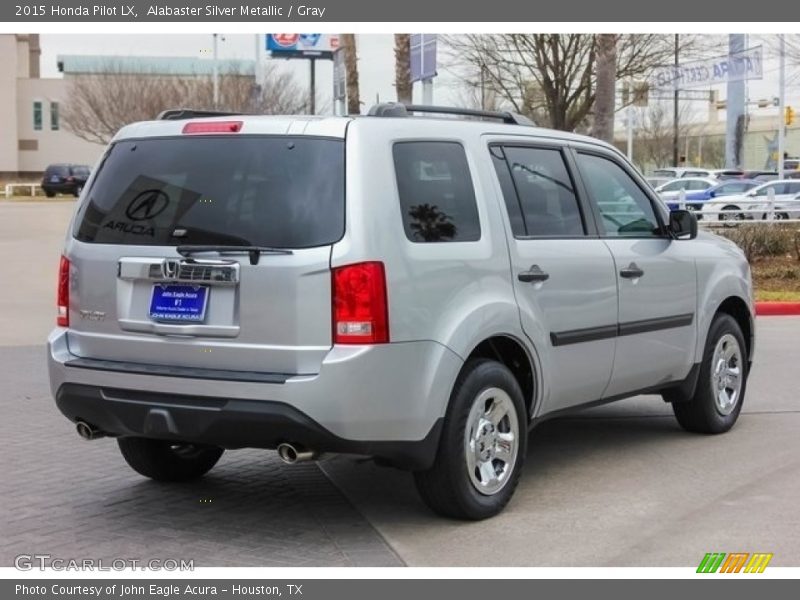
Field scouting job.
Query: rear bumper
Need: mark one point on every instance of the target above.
(227, 423)
(386, 400)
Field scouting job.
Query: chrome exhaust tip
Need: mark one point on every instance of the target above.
(88, 432)
(291, 454)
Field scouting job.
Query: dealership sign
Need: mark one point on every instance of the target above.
(313, 45)
(748, 64)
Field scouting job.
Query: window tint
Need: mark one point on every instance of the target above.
(232, 190)
(775, 187)
(437, 199)
(509, 192)
(675, 186)
(544, 190)
(733, 188)
(623, 206)
(792, 187)
(698, 185)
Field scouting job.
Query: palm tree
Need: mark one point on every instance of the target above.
(351, 78)
(402, 67)
(606, 66)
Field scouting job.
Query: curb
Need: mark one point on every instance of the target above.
(775, 309)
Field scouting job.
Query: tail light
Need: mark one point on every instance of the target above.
(62, 320)
(360, 304)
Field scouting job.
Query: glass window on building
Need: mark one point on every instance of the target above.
(37, 116)
(54, 116)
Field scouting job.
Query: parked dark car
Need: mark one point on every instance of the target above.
(64, 179)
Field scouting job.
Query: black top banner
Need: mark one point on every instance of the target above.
(464, 11)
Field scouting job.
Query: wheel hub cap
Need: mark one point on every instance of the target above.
(491, 441)
(727, 374)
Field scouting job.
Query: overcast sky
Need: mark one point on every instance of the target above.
(376, 63)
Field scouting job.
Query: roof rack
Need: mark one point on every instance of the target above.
(396, 109)
(178, 114)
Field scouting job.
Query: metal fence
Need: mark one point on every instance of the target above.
(736, 210)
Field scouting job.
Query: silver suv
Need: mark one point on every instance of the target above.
(421, 290)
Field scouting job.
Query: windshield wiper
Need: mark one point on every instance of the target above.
(255, 252)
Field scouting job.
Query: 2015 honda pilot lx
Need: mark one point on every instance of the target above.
(421, 290)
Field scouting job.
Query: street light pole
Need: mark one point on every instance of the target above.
(675, 107)
(216, 74)
(781, 105)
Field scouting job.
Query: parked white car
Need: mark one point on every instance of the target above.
(672, 189)
(754, 203)
(787, 208)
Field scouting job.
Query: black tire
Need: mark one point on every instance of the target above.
(49, 194)
(729, 216)
(77, 191)
(447, 487)
(163, 460)
(701, 414)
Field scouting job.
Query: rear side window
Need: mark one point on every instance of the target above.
(437, 199)
(543, 190)
(698, 185)
(286, 192)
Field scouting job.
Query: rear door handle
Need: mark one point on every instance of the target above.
(534, 274)
(632, 271)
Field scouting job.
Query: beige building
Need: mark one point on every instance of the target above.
(32, 134)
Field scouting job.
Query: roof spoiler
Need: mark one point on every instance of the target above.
(178, 114)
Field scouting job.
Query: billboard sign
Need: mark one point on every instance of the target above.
(306, 45)
(423, 56)
(748, 64)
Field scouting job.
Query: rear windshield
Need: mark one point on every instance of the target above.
(286, 192)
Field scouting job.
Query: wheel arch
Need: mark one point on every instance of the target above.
(737, 308)
(510, 351)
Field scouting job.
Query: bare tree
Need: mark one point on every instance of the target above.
(605, 96)
(552, 77)
(351, 78)
(99, 104)
(652, 147)
(402, 67)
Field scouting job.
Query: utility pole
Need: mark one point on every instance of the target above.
(675, 105)
(735, 109)
(781, 105)
(216, 74)
(629, 126)
(312, 99)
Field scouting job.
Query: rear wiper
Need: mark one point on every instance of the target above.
(255, 252)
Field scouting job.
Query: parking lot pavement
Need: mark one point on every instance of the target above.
(74, 499)
(617, 485)
(623, 485)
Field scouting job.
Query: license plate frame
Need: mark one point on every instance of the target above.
(188, 303)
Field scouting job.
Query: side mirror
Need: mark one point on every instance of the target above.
(712, 194)
(683, 224)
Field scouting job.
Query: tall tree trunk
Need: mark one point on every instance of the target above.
(606, 65)
(351, 67)
(402, 67)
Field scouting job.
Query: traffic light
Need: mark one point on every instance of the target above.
(789, 116)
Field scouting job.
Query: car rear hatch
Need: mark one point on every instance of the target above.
(209, 250)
